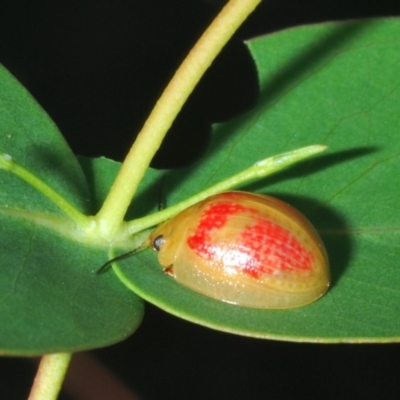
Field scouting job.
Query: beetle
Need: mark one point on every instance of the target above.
(246, 249)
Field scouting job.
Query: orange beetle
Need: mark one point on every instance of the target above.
(245, 249)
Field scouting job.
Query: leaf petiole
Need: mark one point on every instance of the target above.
(260, 169)
(7, 163)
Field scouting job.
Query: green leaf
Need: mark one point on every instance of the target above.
(50, 298)
(52, 301)
(336, 84)
(31, 138)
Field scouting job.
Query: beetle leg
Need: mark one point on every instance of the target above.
(169, 270)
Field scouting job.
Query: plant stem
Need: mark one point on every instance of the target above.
(8, 164)
(260, 169)
(50, 376)
(148, 141)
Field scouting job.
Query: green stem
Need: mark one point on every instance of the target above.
(7, 163)
(148, 141)
(259, 170)
(50, 376)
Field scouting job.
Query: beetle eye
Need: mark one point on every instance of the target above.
(158, 242)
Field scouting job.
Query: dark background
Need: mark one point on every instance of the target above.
(97, 67)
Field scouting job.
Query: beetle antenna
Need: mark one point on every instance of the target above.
(107, 265)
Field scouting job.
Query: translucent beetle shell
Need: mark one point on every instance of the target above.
(246, 249)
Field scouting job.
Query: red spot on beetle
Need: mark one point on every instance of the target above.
(275, 249)
(213, 219)
(262, 247)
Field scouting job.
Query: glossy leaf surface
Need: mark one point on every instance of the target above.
(336, 84)
(50, 299)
